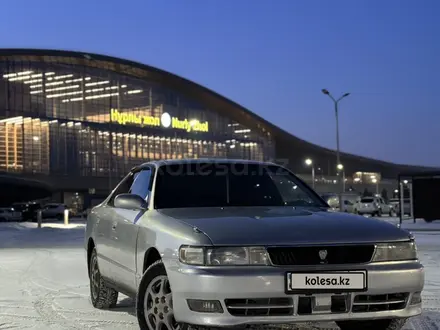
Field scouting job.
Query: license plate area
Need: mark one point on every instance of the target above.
(323, 304)
(326, 282)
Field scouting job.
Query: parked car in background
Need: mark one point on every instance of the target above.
(222, 243)
(28, 210)
(348, 206)
(54, 210)
(9, 214)
(348, 201)
(374, 206)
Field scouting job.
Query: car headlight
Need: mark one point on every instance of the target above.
(223, 256)
(395, 252)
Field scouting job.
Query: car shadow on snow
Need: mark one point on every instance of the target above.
(125, 305)
(429, 320)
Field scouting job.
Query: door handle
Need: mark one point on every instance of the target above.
(114, 225)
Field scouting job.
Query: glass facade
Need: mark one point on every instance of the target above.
(62, 119)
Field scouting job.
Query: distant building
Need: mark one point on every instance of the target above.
(78, 122)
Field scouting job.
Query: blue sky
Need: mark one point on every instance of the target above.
(274, 57)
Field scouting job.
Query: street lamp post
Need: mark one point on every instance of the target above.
(340, 169)
(336, 103)
(339, 166)
(309, 162)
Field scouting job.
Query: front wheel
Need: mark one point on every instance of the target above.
(387, 324)
(154, 301)
(102, 296)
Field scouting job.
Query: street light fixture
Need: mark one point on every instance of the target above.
(309, 162)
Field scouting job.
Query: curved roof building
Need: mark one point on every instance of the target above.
(86, 119)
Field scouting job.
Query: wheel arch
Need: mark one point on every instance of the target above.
(151, 256)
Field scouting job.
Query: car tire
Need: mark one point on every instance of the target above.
(386, 324)
(152, 276)
(102, 296)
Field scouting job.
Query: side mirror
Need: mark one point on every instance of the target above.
(130, 202)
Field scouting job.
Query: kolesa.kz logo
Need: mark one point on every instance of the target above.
(312, 281)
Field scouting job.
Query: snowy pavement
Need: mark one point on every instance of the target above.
(44, 284)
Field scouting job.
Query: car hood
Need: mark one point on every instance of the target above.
(285, 226)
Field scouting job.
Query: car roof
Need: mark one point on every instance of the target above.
(157, 163)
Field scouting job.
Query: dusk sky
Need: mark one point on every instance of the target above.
(274, 57)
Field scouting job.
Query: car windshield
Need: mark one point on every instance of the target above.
(367, 200)
(230, 184)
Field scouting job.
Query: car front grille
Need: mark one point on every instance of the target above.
(379, 303)
(260, 306)
(310, 255)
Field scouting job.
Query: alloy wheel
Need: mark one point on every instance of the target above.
(158, 305)
(94, 277)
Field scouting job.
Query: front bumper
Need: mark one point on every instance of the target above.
(229, 284)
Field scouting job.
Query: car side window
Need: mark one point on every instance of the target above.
(141, 184)
(123, 187)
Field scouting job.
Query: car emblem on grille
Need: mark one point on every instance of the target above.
(323, 254)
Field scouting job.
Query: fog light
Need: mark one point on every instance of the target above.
(205, 306)
(416, 298)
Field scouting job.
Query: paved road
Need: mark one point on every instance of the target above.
(44, 286)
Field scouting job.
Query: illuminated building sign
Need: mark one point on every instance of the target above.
(124, 118)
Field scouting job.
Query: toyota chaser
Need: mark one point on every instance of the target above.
(223, 243)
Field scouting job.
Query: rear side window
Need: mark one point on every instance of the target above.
(367, 200)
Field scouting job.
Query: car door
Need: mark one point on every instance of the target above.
(106, 245)
(126, 229)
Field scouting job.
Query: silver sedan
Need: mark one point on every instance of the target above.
(221, 243)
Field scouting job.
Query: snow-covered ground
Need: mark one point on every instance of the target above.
(44, 284)
(418, 225)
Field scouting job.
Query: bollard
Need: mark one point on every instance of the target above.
(39, 218)
(66, 217)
